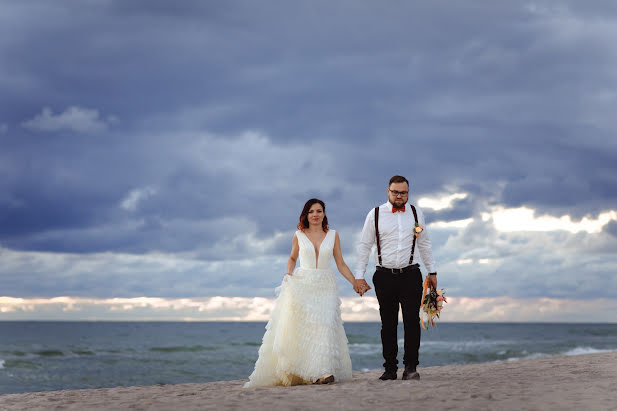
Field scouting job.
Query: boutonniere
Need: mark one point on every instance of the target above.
(417, 230)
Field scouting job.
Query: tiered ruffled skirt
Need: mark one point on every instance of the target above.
(305, 338)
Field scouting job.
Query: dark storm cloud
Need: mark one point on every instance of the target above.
(292, 70)
(460, 210)
(611, 228)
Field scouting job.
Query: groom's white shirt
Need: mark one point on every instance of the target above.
(396, 238)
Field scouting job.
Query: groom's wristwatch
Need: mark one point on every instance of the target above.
(432, 273)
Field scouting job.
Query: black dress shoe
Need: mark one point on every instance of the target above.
(388, 375)
(410, 373)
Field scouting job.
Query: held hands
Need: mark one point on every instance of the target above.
(361, 286)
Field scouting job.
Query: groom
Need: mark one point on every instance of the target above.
(397, 277)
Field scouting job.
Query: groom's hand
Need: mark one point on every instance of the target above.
(432, 282)
(361, 286)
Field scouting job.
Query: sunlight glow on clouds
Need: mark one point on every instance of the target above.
(524, 219)
(452, 224)
(258, 309)
(471, 261)
(152, 308)
(441, 202)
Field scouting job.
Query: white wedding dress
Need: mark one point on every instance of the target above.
(305, 338)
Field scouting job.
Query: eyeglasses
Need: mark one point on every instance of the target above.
(399, 193)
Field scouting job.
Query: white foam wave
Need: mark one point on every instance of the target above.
(364, 345)
(529, 357)
(503, 352)
(464, 345)
(585, 350)
(364, 349)
(1, 364)
(572, 352)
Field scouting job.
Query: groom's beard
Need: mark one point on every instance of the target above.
(398, 204)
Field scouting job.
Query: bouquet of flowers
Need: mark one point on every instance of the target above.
(432, 304)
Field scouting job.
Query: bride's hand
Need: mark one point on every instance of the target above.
(361, 286)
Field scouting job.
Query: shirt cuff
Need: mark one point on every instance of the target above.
(430, 269)
(359, 275)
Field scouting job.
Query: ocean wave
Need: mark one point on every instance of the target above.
(602, 332)
(248, 343)
(586, 350)
(20, 364)
(362, 339)
(13, 353)
(364, 349)
(467, 343)
(49, 353)
(82, 352)
(118, 351)
(184, 348)
(571, 352)
(530, 357)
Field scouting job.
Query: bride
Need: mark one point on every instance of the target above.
(305, 342)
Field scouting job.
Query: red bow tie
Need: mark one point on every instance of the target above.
(394, 209)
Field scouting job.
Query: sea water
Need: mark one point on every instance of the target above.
(40, 356)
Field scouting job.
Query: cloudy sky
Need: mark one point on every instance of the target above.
(155, 155)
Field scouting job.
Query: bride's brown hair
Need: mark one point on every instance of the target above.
(304, 224)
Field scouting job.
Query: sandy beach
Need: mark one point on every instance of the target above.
(557, 383)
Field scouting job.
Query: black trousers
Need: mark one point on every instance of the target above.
(392, 290)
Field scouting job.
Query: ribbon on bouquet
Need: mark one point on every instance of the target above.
(424, 289)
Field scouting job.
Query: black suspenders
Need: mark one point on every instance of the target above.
(413, 245)
(413, 231)
(377, 234)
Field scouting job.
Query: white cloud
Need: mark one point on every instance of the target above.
(524, 219)
(452, 224)
(258, 309)
(440, 203)
(136, 196)
(245, 263)
(131, 275)
(496, 309)
(482, 261)
(74, 118)
(206, 308)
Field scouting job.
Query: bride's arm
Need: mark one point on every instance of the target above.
(340, 263)
(293, 257)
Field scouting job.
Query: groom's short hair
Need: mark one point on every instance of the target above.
(398, 179)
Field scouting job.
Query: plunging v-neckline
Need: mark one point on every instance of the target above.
(317, 250)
